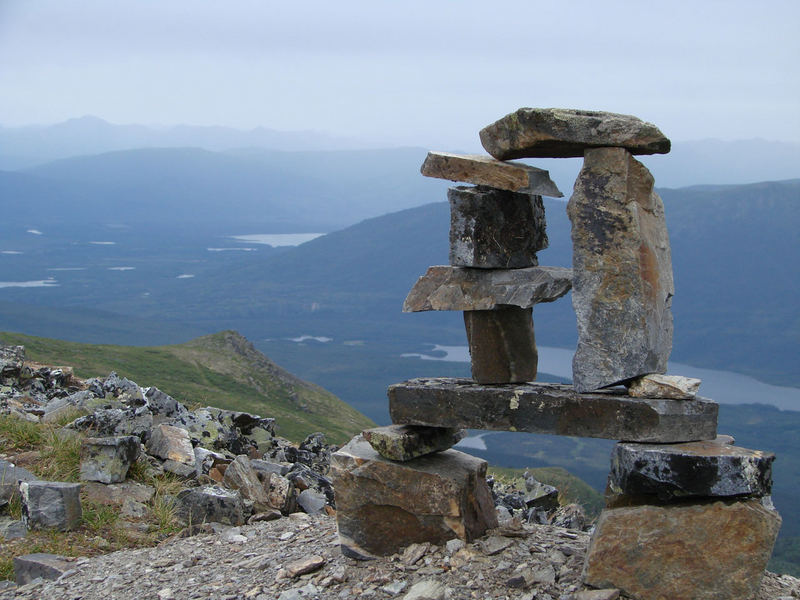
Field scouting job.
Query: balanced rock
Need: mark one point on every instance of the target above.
(702, 551)
(171, 443)
(495, 229)
(622, 272)
(564, 132)
(502, 345)
(482, 170)
(51, 505)
(108, 459)
(663, 386)
(383, 506)
(708, 469)
(550, 408)
(458, 288)
(404, 442)
(211, 503)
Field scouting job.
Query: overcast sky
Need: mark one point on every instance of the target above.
(413, 72)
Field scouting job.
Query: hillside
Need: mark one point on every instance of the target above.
(222, 370)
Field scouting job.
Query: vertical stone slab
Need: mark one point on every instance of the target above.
(622, 271)
(495, 229)
(502, 345)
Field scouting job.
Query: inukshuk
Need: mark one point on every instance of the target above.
(688, 513)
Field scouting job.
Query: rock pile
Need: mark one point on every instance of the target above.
(232, 466)
(674, 485)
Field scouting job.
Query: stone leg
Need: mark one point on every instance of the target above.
(502, 345)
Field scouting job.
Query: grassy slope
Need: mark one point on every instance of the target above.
(222, 370)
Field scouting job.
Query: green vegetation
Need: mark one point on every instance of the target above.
(222, 370)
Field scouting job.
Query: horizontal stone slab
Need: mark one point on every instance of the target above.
(483, 170)
(405, 442)
(550, 408)
(709, 469)
(462, 288)
(564, 132)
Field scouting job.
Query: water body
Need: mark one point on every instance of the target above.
(10, 252)
(231, 249)
(34, 232)
(278, 239)
(317, 338)
(185, 276)
(121, 268)
(103, 243)
(724, 387)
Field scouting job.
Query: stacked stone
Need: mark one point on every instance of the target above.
(688, 513)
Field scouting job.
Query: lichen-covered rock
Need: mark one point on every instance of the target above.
(703, 551)
(171, 443)
(162, 404)
(495, 229)
(108, 459)
(621, 272)
(404, 442)
(211, 503)
(482, 170)
(707, 469)
(564, 132)
(383, 506)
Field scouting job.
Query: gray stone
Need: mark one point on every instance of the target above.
(171, 443)
(663, 386)
(502, 345)
(46, 566)
(550, 408)
(622, 272)
(405, 442)
(117, 421)
(12, 474)
(180, 469)
(570, 516)
(133, 509)
(482, 170)
(281, 494)
(495, 229)
(241, 476)
(707, 469)
(211, 503)
(611, 594)
(206, 459)
(383, 506)
(703, 551)
(58, 408)
(312, 502)
(11, 360)
(495, 544)
(11, 529)
(51, 504)
(459, 288)
(426, 589)
(116, 493)
(162, 404)
(108, 459)
(540, 495)
(565, 132)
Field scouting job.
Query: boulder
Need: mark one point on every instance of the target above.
(482, 170)
(162, 404)
(11, 360)
(51, 505)
(312, 502)
(240, 475)
(116, 493)
(495, 229)
(383, 506)
(11, 529)
(550, 408)
(565, 132)
(663, 386)
(621, 272)
(707, 469)
(211, 503)
(703, 551)
(12, 474)
(502, 345)
(117, 421)
(171, 443)
(40, 565)
(458, 288)
(405, 442)
(108, 459)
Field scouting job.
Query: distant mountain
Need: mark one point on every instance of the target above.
(33, 144)
(250, 191)
(222, 370)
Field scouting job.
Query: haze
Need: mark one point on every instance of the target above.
(414, 72)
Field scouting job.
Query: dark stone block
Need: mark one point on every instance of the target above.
(502, 345)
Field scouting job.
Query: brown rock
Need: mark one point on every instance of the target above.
(550, 408)
(663, 386)
(383, 506)
(482, 170)
(701, 551)
(502, 345)
(495, 229)
(563, 132)
(239, 475)
(171, 443)
(458, 288)
(622, 272)
(404, 442)
(304, 565)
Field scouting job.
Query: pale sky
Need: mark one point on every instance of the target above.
(423, 73)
